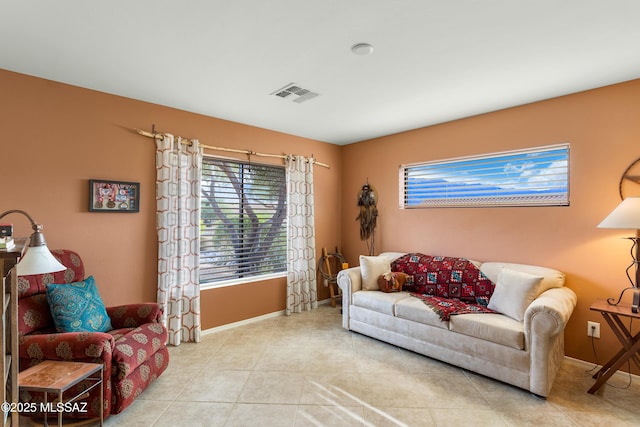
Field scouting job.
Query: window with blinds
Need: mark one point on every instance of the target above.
(531, 177)
(243, 226)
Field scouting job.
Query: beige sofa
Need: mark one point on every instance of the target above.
(526, 354)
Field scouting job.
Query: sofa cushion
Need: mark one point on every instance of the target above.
(37, 283)
(77, 307)
(514, 292)
(371, 267)
(417, 311)
(496, 328)
(447, 307)
(34, 314)
(33, 309)
(381, 302)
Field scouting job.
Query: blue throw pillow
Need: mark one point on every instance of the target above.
(77, 307)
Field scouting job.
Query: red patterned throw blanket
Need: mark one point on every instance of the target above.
(448, 285)
(446, 307)
(445, 277)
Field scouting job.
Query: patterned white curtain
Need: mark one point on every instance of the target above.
(178, 169)
(301, 250)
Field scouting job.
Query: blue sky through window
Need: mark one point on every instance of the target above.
(527, 177)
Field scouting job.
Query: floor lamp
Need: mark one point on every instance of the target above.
(627, 216)
(37, 259)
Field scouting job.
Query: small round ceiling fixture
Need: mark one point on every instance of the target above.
(362, 49)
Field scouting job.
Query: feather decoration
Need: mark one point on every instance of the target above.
(367, 202)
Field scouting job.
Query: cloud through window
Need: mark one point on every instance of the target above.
(531, 177)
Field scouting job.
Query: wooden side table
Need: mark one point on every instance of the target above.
(630, 343)
(57, 377)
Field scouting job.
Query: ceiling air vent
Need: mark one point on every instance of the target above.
(295, 93)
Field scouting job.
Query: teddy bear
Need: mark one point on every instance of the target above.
(392, 281)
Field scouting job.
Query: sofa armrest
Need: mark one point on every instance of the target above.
(548, 314)
(544, 324)
(134, 315)
(73, 346)
(349, 281)
(143, 340)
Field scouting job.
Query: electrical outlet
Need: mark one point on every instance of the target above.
(593, 329)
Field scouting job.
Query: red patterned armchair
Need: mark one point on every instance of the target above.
(134, 352)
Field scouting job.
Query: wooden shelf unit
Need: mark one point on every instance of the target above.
(9, 332)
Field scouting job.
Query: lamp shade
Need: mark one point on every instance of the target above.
(38, 260)
(626, 215)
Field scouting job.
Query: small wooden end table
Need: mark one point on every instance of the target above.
(57, 377)
(630, 343)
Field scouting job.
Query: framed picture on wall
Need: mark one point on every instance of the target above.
(113, 196)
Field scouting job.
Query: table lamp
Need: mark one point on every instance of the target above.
(627, 216)
(37, 259)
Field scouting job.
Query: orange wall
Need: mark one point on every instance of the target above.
(56, 137)
(604, 131)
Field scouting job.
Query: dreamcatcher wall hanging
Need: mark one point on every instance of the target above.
(629, 185)
(367, 202)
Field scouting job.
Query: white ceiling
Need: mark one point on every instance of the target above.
(433, 60)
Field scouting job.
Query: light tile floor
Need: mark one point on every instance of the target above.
(305, 370)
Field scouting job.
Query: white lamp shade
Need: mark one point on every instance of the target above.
(38, 260)
(626, 215)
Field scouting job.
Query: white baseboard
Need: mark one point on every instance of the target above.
(242, 322)
(591, 365)
(253, 319)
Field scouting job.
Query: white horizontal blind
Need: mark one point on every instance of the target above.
(532, 177)
(242, 221)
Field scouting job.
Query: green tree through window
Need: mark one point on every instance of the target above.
(242, 221)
